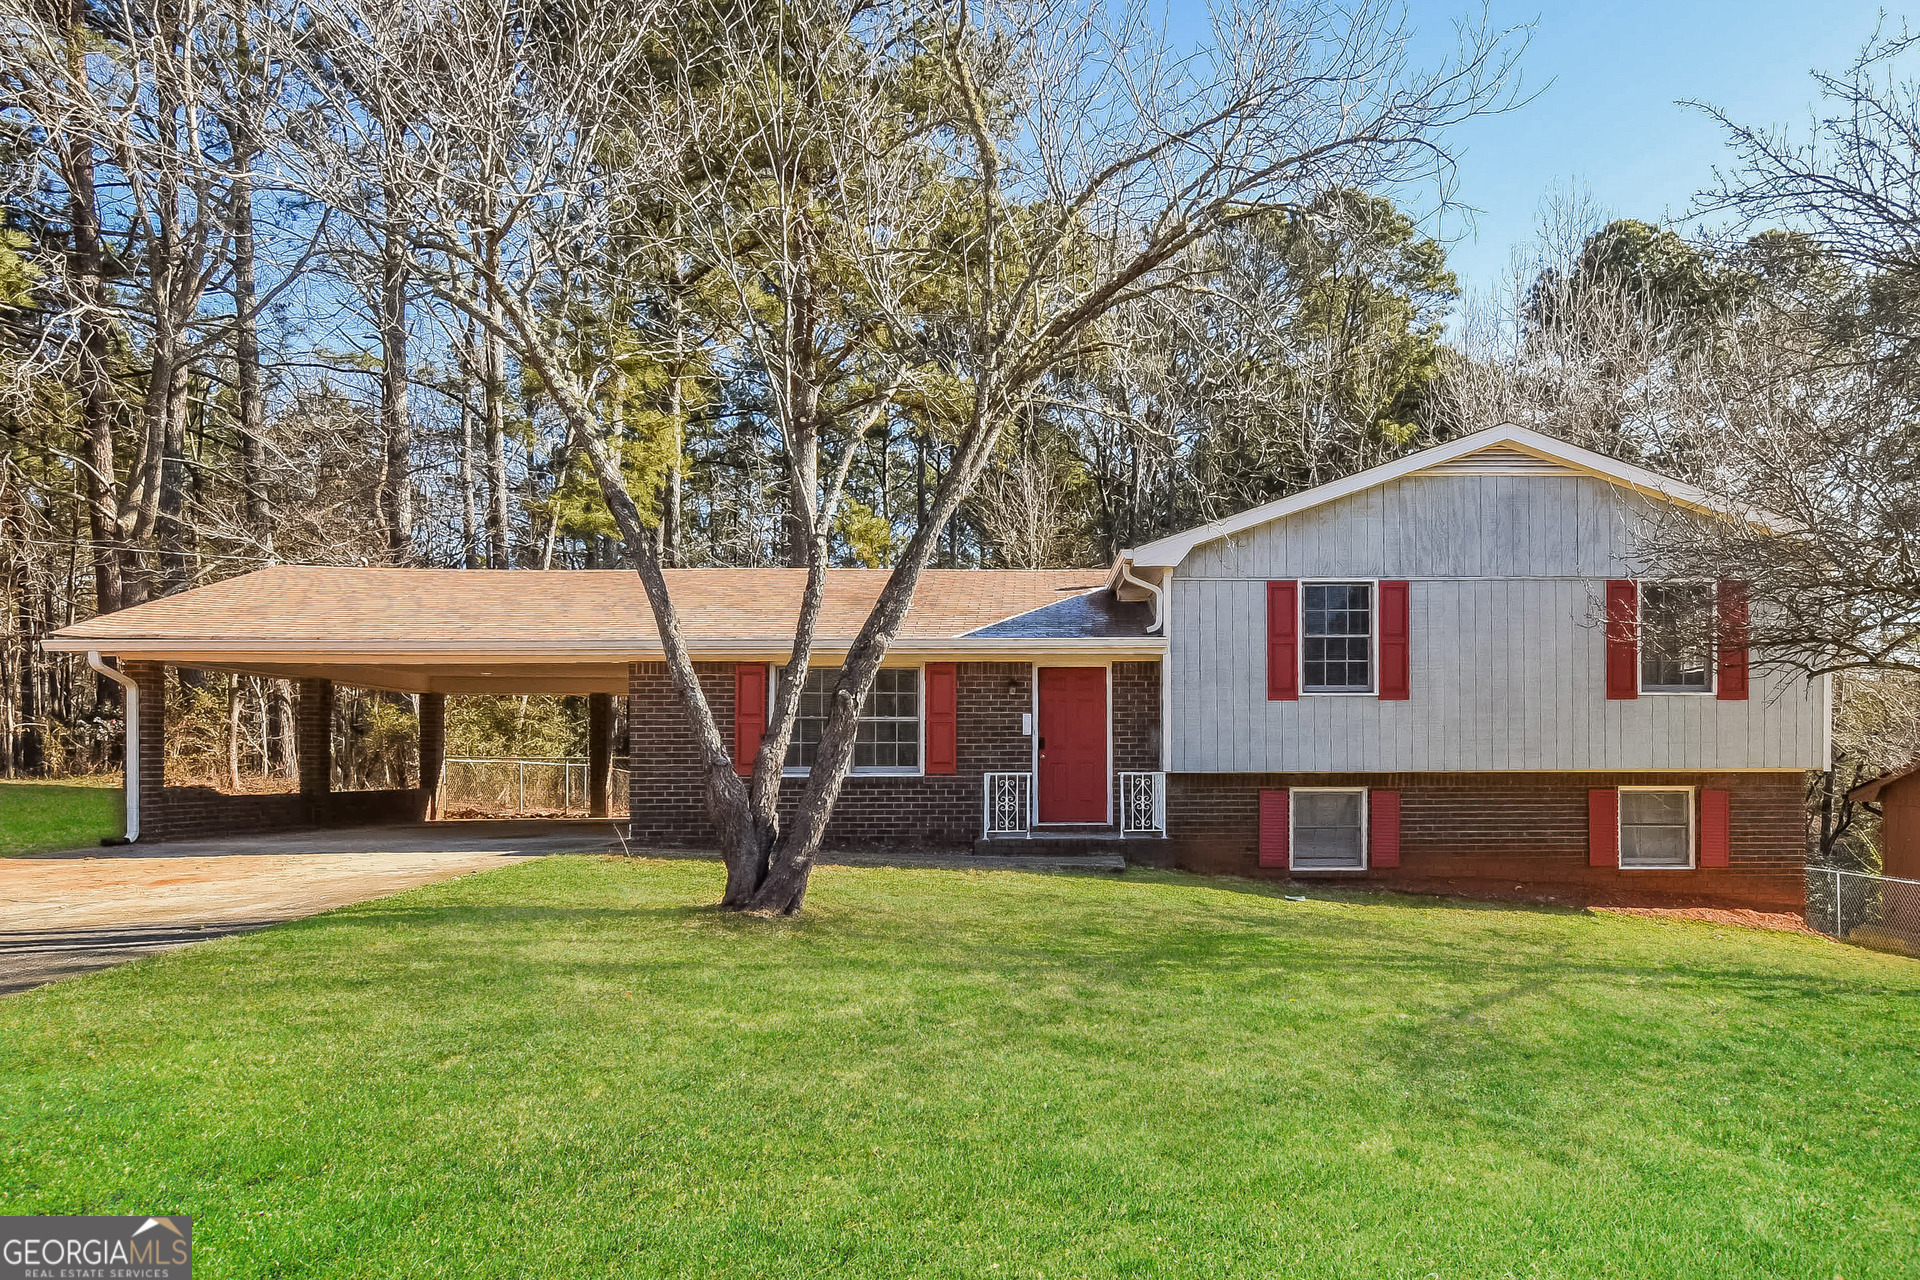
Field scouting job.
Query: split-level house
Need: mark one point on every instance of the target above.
(1452, 670)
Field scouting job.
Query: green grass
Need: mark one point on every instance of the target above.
(574, 1067)
(37, 816)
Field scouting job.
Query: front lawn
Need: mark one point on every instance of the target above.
(37, 816)
(574, 1067)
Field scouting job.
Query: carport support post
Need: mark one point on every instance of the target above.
(152, 679)
(433, 748)
(599, 751)
(313, 722)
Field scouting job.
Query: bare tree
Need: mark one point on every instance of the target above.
(957, 223)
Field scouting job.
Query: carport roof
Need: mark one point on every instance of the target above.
(530, 631)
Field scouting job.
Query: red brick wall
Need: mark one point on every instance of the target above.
(1136, 716)
(193, 813)
(668, 795)
(1496, 831)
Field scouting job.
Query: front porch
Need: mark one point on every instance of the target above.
(1010, 815)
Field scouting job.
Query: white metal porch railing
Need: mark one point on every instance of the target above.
(1007, 804)
(1143, 803)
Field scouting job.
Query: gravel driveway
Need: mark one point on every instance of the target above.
(63, 914)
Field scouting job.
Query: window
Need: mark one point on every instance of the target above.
(888, 739)
(1676, 638)
(1656, 827)
(1329, 830)
(1338, 635)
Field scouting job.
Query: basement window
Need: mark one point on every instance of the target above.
(888, 739)
(1656, 827)
(1329, 829)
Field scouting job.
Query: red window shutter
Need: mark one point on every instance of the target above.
(1732, 682)
(1603, 828)
(1283, 642)
(1623, 640)
(1276, 832)
(943, 719)
(1383, 828)
(1396, 652)
(1716, 828)
(749, 714)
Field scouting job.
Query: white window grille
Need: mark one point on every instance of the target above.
(1143, 803)
(1007, 804)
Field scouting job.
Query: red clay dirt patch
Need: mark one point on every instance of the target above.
(1784, 921)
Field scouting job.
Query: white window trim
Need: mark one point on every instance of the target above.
(1693, 840)
(1366, 816)
(856, 771)
(1640, 586)
(1373, 643)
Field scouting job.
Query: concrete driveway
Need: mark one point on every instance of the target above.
(63, 914)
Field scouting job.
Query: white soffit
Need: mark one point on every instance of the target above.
(1505, 450)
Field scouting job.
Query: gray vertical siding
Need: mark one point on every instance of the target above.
(1508, 655)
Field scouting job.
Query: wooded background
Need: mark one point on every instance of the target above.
(237, 328)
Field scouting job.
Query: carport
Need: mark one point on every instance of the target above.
(419, 632)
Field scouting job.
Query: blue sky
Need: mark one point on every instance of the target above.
(1607, 116)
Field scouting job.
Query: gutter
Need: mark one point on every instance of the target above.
(126, 682)
(1126, 575)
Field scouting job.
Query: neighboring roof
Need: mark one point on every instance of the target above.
(1504, 450)
(406, 614)
(1868, 792)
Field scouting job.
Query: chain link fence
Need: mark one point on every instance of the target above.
(1881, 912)
(471, 787)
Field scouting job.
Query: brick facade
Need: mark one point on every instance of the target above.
(1497, 831)
(668, 792)
(1136, 716)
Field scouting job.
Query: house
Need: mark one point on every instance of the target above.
(1898, 795)
(1448, 671)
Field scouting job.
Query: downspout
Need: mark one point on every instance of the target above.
(1126, 576)
(126, 682)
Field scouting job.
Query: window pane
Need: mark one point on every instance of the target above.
(1654, 807)
(1327, 808)
(1676, 637)
(888, 735)
(1337, 635)
(1326, 830)
(1654, 828)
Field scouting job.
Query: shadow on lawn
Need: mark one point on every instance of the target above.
(1095, 955)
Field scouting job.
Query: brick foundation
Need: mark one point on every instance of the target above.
(1496, 832)
(668, 792)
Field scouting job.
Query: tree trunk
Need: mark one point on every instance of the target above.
(249, 393)
(233, 733)
(94, 348)
(396, 421)
(172, 535)
(469, 513)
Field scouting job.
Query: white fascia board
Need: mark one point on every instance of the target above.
(493, 651)
(1169, 552)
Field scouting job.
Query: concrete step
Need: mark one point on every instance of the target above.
(1017, 861)
(1053, 845)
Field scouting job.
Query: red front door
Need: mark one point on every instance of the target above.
(1073, 744)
